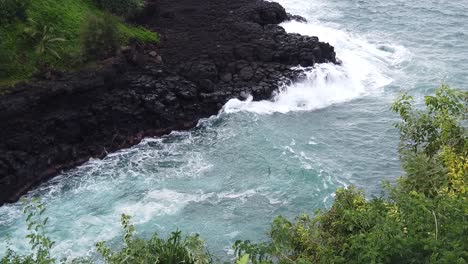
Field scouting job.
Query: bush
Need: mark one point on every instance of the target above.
(44, 39)
(66, 19)
(13, 9)
(420, 220)
(125, 8)
(174, 250)
(4, 57)
(40, 243)
(99, 37)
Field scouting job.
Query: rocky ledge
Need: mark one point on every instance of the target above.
(210, 51)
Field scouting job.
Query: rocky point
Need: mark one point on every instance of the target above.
(210, 51)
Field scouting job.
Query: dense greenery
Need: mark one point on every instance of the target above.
(99, 37)
(11, 10)
(126, 8)
(62, 19)
(421, 219)
(175, 249)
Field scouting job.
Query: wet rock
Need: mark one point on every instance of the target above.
(246, 73)
(267, 13)
(226, 77)
(206, 85)
(296, 18)
(213, 50)
(245, 52)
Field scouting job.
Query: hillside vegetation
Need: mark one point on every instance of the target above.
(48, 34)
(421, 219)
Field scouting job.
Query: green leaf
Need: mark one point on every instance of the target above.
(244, 259)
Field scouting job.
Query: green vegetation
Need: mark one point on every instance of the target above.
(11, 10)
(421, 219)
(99, 37)
(190, 250)
(125, 8)
(54, 20)
(40, 243)
(173, 250)
(43, 38)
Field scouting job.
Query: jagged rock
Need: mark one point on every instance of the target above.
(267, 13)
(213, 50)
(296, 18)
(246, 73)
(226, 77)
(158, 59)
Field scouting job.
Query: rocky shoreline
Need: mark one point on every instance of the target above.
(210, 52)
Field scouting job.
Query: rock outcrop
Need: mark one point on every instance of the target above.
(210, 51)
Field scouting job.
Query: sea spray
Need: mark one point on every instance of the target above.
(363, 69)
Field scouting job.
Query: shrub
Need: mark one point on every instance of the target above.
(40, 243)
(19, 59)
(420, 220)
(174, 250)
(13, 9)
(4, 57)
(43, 37)
(125, 8)
(99, 37)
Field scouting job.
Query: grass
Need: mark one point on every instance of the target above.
(18, 60)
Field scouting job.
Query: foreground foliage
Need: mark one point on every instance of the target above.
(39, 241)
(421, 219)
(173, 250)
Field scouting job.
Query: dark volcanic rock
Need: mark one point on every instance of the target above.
(210, 51)
(265, 13)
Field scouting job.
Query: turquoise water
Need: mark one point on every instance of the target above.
(229, 177)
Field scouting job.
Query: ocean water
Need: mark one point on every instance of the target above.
(229, 177)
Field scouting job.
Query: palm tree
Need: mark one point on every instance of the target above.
(43, 36)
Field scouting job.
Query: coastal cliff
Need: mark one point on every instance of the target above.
(209, 52)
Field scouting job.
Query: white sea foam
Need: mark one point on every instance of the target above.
(160, 202)
(240, 196)
(364, 69)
